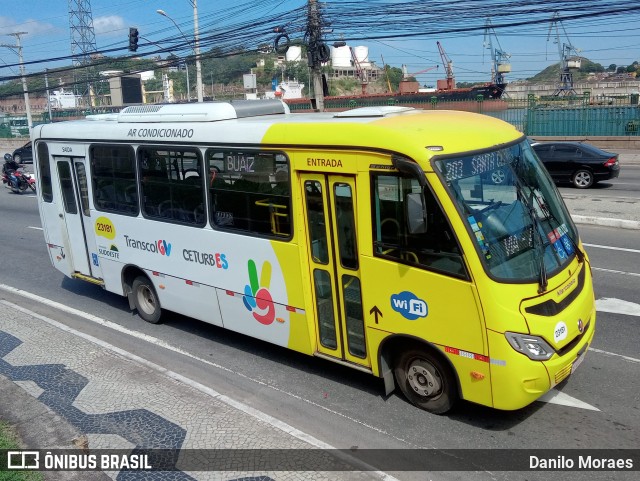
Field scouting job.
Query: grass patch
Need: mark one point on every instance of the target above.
(8, 440)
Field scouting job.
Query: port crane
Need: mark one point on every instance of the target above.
(450, 82)
(499, 58)
(360, 72)
(569, 58)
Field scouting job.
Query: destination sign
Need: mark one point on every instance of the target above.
(454, 169)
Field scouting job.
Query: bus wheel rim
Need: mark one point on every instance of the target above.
(146, 300)
(423, 381)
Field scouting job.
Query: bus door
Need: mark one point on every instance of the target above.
(331, 229)
(74, 199)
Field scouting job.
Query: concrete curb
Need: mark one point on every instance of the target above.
(606, 221)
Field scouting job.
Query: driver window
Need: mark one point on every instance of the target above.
(436, 249)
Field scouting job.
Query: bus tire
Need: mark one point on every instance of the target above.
(146, 300)
(426, 381)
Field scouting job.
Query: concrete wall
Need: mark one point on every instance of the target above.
(613, 143)
(9, 145)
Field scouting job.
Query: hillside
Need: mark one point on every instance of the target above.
(551, 73)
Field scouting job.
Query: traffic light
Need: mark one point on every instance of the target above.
(133, 39)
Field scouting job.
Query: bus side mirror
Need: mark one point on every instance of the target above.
(416, 213)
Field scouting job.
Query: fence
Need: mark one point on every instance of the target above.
(551, 116)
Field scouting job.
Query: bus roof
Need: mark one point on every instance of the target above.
(416, 133)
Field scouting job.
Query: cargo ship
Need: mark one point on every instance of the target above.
(482, 98)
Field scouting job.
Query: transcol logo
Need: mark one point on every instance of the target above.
(159, 247)
(409, 305)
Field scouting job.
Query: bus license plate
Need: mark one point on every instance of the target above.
(578, 361)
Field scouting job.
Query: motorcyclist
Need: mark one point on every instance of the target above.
(9, 167)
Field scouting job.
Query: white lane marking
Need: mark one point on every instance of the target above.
(607, 353)
(32, 227)
(613, 271)
(624, 249)
(165, 345)
(618, 306)
(264, 417)
(558, 397)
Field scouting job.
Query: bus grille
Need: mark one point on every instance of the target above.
(563, 373)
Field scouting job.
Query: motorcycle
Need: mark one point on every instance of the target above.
(25, 181)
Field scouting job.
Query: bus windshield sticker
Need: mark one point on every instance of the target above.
(409, 305)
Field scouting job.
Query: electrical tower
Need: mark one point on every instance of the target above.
(83, 38)
(569, 59)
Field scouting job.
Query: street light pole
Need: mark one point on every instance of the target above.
(195, 48)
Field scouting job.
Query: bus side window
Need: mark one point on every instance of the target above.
(44, 172)
(114, 179)
(435, 249)
(250, 191)
(172, 185)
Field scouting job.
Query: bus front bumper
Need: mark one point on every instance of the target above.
(517, 381)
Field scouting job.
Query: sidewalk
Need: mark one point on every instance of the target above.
(618, 212)
(61, 391)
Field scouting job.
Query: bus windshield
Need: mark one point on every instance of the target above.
(521, 226)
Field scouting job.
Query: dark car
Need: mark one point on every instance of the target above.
(581, 164)
(23, 154)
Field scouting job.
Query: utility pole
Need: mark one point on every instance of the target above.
(46, 83)
(18, 49)
(314, 32)
(196, 38)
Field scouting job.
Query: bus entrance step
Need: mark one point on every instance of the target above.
(84, 277)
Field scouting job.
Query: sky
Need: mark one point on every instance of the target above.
(604, 40)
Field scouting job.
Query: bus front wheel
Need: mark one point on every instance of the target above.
(426, 381)
(146, 300)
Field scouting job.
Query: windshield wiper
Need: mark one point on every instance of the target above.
(542, 273)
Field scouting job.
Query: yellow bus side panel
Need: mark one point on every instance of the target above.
(300, 333)
(437, 308)
(474, 375)
(445, 314)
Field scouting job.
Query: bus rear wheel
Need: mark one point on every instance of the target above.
(146, 300)
(426, 381)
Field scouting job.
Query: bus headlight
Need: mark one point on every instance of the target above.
(533, 347)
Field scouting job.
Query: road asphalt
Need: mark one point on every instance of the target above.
(62, 389)
(618, 212)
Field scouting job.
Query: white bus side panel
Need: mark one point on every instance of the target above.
(257, 317)
(187, 297)
(55, 232)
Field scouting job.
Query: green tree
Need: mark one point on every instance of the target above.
(394, 75)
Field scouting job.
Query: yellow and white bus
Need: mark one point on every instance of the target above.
(430, 249)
